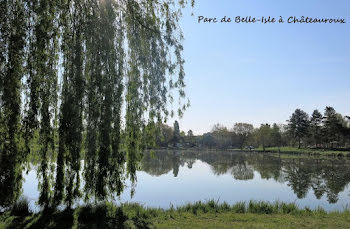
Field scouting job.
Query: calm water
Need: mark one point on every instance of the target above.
(180, 177)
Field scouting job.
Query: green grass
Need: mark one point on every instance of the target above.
(315, 152)
(283, 150)
(249, 220)
(211, 214)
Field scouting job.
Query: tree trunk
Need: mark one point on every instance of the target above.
(263, 146)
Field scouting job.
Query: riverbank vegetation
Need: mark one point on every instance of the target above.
(209, 214)
(336, 152)
(327, 134)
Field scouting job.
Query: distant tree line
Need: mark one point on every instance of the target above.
(320, 131)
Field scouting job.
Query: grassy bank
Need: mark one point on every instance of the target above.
(282, 150)
(197, 215)
(313, 152)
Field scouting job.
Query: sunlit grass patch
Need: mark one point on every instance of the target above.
(209, 214)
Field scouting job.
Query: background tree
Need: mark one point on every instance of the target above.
(243, 131)
(208, 140)
(264, 134)
(316, 127)
(190, 133)
(276, 136)
(176, 136)
(299, 125)
(165, 136)
(221, 135)
(334, 127)
(190, 138)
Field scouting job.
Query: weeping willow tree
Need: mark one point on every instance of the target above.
(42, 88)
(97, 77)
(12, 66)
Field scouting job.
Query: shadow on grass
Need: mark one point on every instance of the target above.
(103, 215)
(106, 215)
(100, 216)
(48, 219)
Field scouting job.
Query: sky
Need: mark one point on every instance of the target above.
(259, 73)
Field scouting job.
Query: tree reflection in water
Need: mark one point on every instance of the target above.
(324, 176)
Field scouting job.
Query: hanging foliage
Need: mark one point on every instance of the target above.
(110, 66)
(12, 45)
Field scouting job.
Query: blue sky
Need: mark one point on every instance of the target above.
(261, 73)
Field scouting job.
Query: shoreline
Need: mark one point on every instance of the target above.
(274, 150)
(210, 214)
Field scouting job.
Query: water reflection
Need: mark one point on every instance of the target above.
(324, 176)
(178, 177)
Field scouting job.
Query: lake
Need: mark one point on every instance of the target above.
(178, 177)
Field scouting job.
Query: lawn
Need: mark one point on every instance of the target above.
(197, 215)
(316, 152)
(234, 220)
